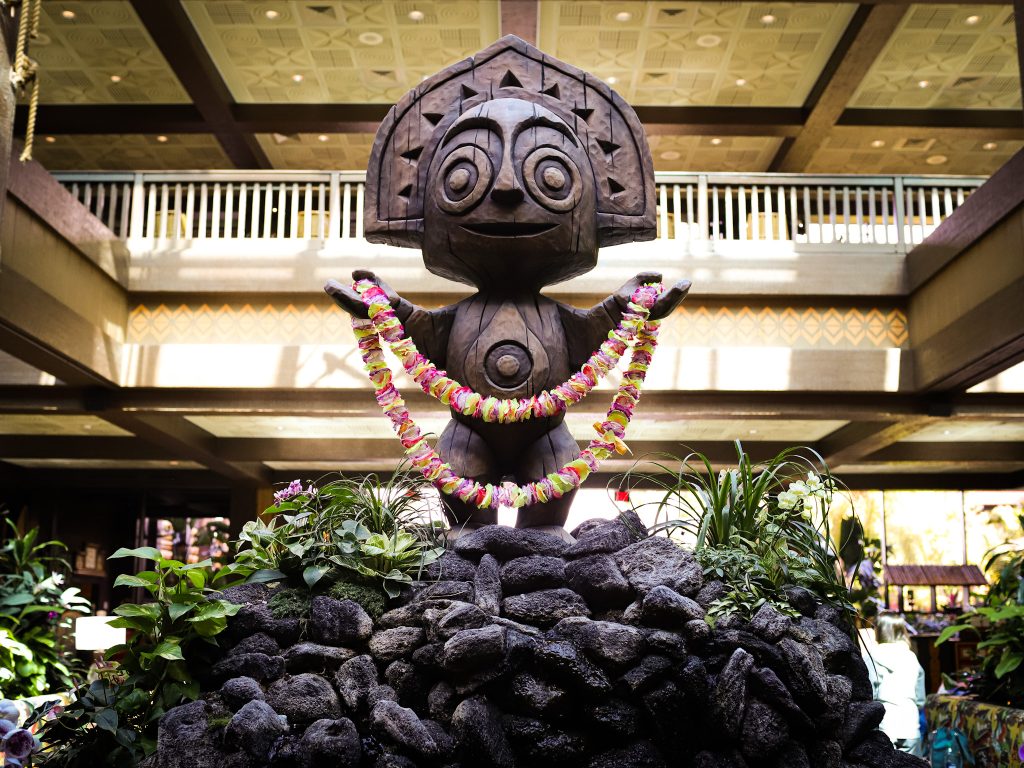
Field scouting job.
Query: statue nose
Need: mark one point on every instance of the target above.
(506, 191)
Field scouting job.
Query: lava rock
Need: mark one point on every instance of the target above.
(729, 696)
(312, 657)
(254, 729)
(606, 642)
(599, 581)
(447, 590)
(562, 661)
(354, 680)
(862, 717)
(304, 698)
(609, 536)
(239, 690)
(539, 743)
(506, 543)
(697, 631)
(658, 561)
(332, 742)
(380, 693)
(487, 585)
(710, 592)
(338, 622)
(532, 573)
(539, 697)
(442, 623)
(666, 643)
(450, 566)
(184, 739)
(614, 717)
(393, 644)
(481, 740)
(642, 754)
(261, 642)
(769, 623)
(663, 607)
(403, 727)
(258, 666)
(646, 675)
(407, 682)
(806, 674)
(474, 649)
(764, 731)
(544, 608)
(442, 701)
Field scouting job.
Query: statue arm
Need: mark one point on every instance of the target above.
(586, 329)
(428, 328)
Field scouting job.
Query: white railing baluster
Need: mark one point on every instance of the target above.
(282, 211)
(177, 220)
(858, 215)
(947, 203)
(151, 212)
(229, 210)
(112, 211)
(101, 200)
(741, 191)
(755, 213)
(161, 232)
(190, 212)
(254, 218)
(268, 210)
(780, 204)
(215, 215)
(702, 207)
(243, 204)
(334, 214)
(716, 233)
(936, 215)
(346, 212)
(293, 219)
(360, 191)
(768, 223)
(677, 214)
(959, 197)
(74, 192)
(663, 211)
(727, 201)
(87, 196)
(871, 234)
(793, 216)
(202, 211)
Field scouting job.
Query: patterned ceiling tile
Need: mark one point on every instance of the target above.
(114, 152)
(946, 57)
(745, 154)
(850, 150)
(289, 51)
(83, 45)
(320, 152)
(684, 53)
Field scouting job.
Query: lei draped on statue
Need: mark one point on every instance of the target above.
(635, 330)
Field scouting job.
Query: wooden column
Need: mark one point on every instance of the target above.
(7, 104)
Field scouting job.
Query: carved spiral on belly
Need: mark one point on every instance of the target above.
(507, 365)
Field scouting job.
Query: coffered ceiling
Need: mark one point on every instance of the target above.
(297, 84)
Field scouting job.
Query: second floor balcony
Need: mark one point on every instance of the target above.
(287, 231)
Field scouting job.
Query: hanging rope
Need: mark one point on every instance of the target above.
(25, 71)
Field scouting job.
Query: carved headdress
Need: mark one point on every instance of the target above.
(606, 125)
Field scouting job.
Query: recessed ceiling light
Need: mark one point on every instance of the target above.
(297, 78)
(670, 154)
(947, 431)
(612, 80)
(51, 139)
(623, 16)
(990, 145)
(923, 83)
(162, 139)
(115, 78)
(280, 428)
(371, 38)
(753, 432)
(323, 137)
(716, 141)
(68, 14)
(877, 143)
(271, 14)
(417, 15)
(174, 462)
(972, 20)
(709, 41)
(936, 159)
(741, 81)
(768, 18)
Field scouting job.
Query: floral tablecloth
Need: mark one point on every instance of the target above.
(995, 734)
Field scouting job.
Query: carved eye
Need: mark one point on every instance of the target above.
(465, 178)
(552, 179)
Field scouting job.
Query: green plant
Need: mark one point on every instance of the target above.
(113, 720)
(34, 606)
(369, 531)
(759, 527)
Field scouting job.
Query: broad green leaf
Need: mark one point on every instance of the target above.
(145, 553)
(1009, 662)
(265, 575)
(949, 631)
(210, 627)
(198, 578)
(146, 610)
(127, 580)
(177, 610)
(106, 719)
(313, 573)
(169, 649)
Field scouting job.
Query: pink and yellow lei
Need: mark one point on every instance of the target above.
(635, 329)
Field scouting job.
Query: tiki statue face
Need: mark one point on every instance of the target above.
(510, 199)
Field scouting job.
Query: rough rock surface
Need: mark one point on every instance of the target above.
(523, 650)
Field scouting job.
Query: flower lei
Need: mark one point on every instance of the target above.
(635, 329)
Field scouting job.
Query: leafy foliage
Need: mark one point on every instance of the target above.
(1000, 626)
(759, 527)
(114, 720)
(368, 531)
(34, 605)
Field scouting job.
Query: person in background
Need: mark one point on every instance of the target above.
(898, 679)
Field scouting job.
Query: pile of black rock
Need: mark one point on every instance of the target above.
(524, 650)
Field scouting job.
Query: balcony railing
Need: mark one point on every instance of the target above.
(697, 212)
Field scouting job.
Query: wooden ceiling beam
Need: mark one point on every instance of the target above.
(171, 29)
(851, 443)
(866, 35)
(80, 447)
(949, 451)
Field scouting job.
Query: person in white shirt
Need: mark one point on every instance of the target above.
(898, 679)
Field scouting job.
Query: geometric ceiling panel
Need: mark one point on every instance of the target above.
(46, 424)
(741, 154)
(320, 152)
(705, 54)
(356, 52)
(850, 150)
(100, 53)
(129, 152)
(946, 57)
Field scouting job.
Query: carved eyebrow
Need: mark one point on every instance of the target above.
(473, 124)
(546, 122)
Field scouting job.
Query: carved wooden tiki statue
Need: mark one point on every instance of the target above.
(509, 170)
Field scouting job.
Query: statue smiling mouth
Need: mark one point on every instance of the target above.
(508, 228)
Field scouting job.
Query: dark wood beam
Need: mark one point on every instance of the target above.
(79, 447)
(953, 452)
(519, 18)
(865, 37)
(955, 119)
(1018, 24)
(851, 443)
(171, 29)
